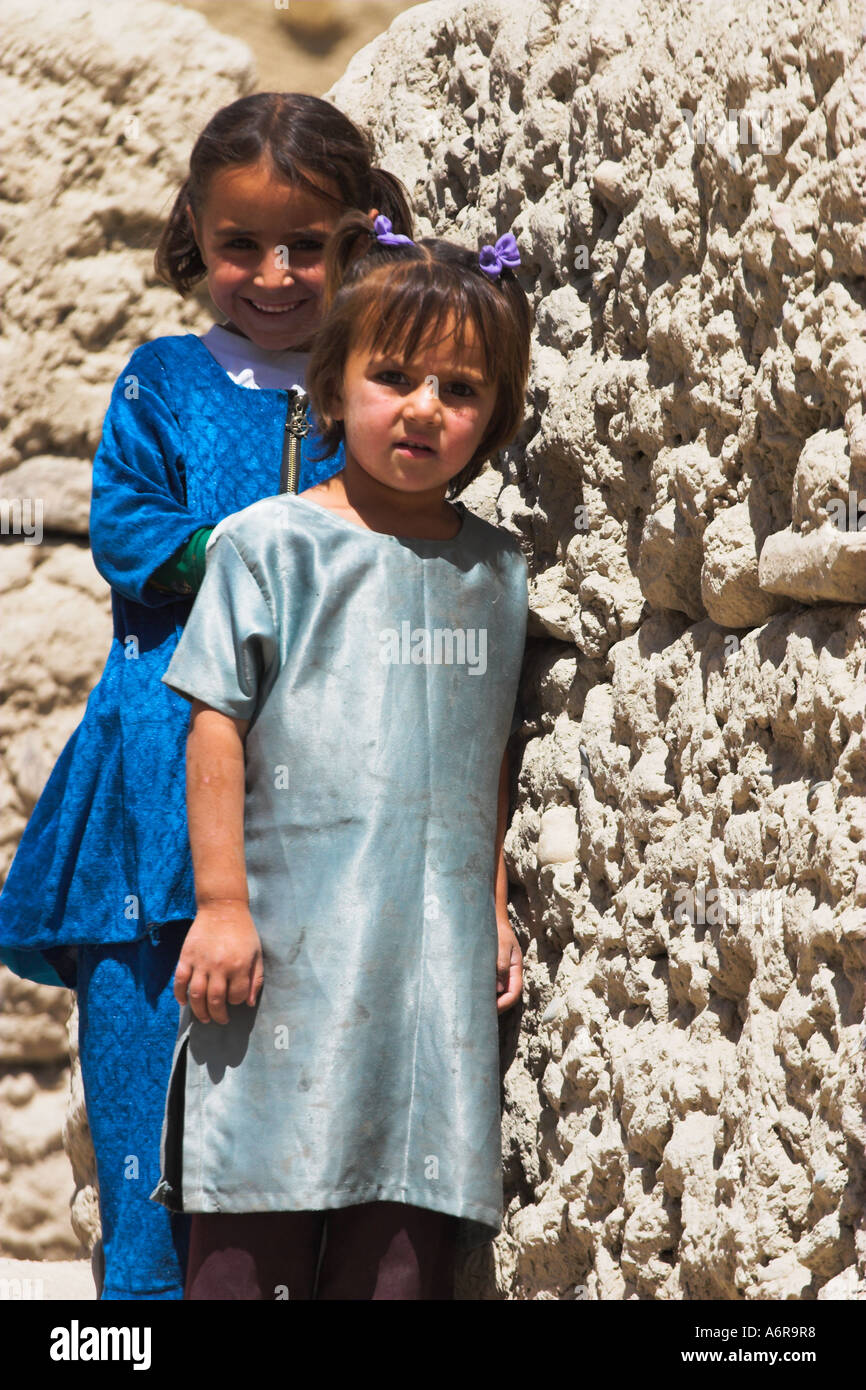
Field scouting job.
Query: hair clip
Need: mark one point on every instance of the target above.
(383, 232)
(504, 253)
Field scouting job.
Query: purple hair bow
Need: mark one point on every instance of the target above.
(385, 233)
(504, 253)
(492, 259)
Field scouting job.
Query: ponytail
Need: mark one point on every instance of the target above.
(353, 243)
(388, 195)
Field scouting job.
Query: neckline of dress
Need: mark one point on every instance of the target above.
(387, 535)
(224, 376)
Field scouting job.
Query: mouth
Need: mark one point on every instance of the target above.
(415, 448)
(275, 309)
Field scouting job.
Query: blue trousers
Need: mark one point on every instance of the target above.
(128, 1019)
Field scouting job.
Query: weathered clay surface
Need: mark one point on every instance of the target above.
(684, 1089)
(36, 1184)
(826, 564)
(683, 1099)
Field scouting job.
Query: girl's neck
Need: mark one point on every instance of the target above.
(232, 328)
(356, 496)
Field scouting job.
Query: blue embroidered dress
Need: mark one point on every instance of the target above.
(105, 855)
(104, 862)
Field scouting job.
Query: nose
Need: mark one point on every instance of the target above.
(274, 268)
(423, 403)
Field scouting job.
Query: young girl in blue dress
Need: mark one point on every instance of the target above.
(352, 661)
(100, 893)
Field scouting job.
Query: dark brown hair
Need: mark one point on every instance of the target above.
(303, 136)
(394, 298)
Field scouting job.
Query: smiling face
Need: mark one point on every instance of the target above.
(413, 425)
(252, 223)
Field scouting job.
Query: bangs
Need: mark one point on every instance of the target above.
(397, 299)
(401, 313)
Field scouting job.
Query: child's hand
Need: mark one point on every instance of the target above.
(509, 967)
(221, 961)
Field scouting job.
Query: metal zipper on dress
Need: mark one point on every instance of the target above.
(295, 428)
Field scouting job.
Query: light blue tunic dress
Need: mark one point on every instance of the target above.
(380, 675)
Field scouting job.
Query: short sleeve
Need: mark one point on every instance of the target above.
(228, 653)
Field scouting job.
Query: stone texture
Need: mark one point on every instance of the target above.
(55, 1280)
(299, 46)
(684, 1090)
(84, 1212)
(821, 477)
(60, 486)
(730, 589)
(36, 1184)
(32, 1022)
(826, 564)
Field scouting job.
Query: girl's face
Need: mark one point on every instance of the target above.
(413, 425)
(262, 241)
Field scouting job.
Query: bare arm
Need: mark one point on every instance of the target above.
(509, 962)
(215, 804)
(221, 958)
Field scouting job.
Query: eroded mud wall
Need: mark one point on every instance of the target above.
(683, 1103)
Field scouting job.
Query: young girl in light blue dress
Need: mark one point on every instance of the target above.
(100, 893)
(352, 661)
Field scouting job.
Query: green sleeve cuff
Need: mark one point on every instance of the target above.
(183, 571)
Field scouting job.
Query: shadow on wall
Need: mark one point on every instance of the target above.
(300, 45)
